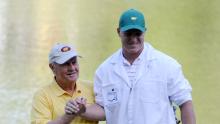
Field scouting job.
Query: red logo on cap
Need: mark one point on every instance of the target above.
(65, 49)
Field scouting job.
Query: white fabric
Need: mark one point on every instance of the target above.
(158, 81)
(131, 69)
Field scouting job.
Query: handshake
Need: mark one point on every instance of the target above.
(76, 107)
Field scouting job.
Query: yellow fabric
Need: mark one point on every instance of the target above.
(49, 102)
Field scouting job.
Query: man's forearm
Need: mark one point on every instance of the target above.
(64, 119)
(187, 113)
(94, 112)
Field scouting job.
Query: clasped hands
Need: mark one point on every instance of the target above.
(76, 107)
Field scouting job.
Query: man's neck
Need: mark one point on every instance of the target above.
(131, 57)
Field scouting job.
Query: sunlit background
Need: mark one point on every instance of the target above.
(188, 30)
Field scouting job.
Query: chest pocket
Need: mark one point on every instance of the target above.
(111, 94)
(151, 91)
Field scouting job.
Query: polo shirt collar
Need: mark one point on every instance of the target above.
(59, 91)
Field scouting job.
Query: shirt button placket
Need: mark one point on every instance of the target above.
(130, 108)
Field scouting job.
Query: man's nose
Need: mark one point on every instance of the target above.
(71, 66)
(133, 38)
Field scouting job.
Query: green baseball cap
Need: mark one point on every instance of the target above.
(132, 19)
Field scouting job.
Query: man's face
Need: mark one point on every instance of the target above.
(132, 41)
(67, 72)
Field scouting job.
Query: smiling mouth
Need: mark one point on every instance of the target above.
(71, 74)
(132, 45)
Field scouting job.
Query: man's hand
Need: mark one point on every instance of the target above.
(77, 106)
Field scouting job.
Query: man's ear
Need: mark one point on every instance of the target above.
(118, 31)
(51, 65)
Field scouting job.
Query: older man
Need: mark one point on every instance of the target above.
(137, 84)
(50, 101)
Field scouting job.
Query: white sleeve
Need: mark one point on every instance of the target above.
(98, 89)
(179, 89)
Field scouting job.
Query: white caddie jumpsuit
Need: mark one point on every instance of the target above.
(160, 79)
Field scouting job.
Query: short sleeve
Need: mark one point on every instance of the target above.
(41, 112)
(179, 89)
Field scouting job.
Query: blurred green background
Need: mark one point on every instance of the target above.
(188, 30)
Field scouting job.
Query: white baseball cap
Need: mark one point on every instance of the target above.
(61, 53)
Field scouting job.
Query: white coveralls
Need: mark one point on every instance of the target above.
(159, 80)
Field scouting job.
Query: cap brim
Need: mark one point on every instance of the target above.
(65, 58)
(129, 27)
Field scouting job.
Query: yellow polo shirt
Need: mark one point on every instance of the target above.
(49, 102)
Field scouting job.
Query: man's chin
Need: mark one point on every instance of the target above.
(72, 80)
(133, 51)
